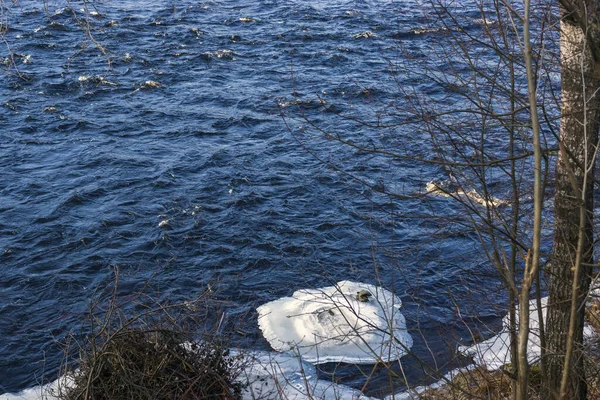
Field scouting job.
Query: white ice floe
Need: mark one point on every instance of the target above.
(222, 54)
(484, 21)
(332, 325)
(48, 391)
(150, 85)
(364, 35)
(444, 190)
(423, 29)
(96, 79)
(276, 376)
(495, 352)
(269, 376)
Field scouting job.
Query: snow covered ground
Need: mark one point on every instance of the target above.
(266, 376)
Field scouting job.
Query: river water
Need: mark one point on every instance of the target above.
(168, 156)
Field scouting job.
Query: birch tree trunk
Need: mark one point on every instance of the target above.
(573, 250)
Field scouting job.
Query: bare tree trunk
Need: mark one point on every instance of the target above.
(573, 249)
(532, 264)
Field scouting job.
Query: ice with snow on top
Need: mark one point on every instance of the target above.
(446, 189)
(265, 376)
(279, 376)
(495, 352)
(49, 391)
(331, 325)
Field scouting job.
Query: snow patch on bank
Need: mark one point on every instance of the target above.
(415, 394)
(43, 392)
(495, 352)
(275, 376)
(265, 375)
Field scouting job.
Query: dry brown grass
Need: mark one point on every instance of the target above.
(592, 314)
(497, 385)
(477, 383)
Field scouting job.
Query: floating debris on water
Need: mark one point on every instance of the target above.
(62, 10)
(364, 35)
(191, 305)
(423, 29)
(483, 21)
(96, 79)
(25, 59)
(196, 31)
(56, 25)
(163, 223)
(228, 54)
(437, 188)
(445, 189)
(50, 109)
(246, 19)
(222, 54)
(150, 85)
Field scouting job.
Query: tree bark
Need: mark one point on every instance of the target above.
(573, 234)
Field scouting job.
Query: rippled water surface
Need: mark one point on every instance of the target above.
(168, 155)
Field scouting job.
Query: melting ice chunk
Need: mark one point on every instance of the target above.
(263, 375)
(269, 376)
(495, 352)
(336, 324)
(49, 391)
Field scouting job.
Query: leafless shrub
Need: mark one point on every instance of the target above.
(144, 349)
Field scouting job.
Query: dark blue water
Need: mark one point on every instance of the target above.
(93, 157)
